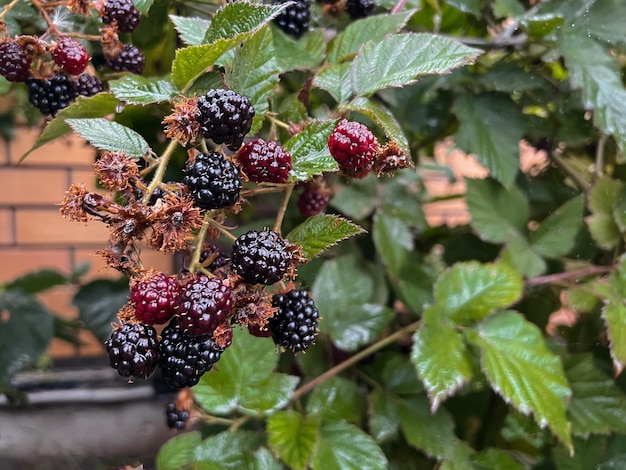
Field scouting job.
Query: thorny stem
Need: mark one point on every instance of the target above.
(307, 387)
(580, 182)
(160, 171)
(7, 8)
(195, 258)
(283, 208)
(570, 275)
(278, 122)
(88, 37)
(217, 420)
(263, 190)
(221, 229)
(237, 423)
(600, 156)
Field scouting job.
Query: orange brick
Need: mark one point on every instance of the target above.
(67, 150)
(18, 261)
(6, 227)
(34, 226)
(88, 178)
(59, 301)
(59, 349)
(22, 186)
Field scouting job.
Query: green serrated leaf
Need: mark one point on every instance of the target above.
(614, 315)
(597, 406)
(433, 434)
(38, 281)
(343, 446)
(519, 254)
(539, 26)
(483, 132)
(293, 437)
(556, 235)
(24, 333)
(297, 54)
(468, 292)
(442, 370)
(110, 135)
(398, 60)
(176, 453)
(193, 61)
(601, 199)
(320, 232)
(226, 450)
(335, 79)
(309, 150)
(337, 399)
(236, 19)
(250, 387)
(393, 240)
(98, 105)
(374, 28)
(135, 89)
(191, 30)
(262, 459)
(383, 117)
(519, 366)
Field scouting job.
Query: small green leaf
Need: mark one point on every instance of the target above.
(495, 459)
(520, 255)
(249, 387)
(135, 89)
(98, 105)
(337, 399)
(309, 150)
(38, 281)
(597, 406)
(143, 6)
(236, 19)
(602, 225)
(296, 54)
(226, 450)
(519, 366)
(468, 292)
(393, 240)
(24, 335)
(176, 453)
(580, 299)
(398, 60)
(335, 79)
(357, 325)
(191, 30)
(373, 28)
(358, 199)
(442, 370)
(110, 135)
(320, 232)
(557, 234)
(433, 434)
(343, 446)
(293, 437)
(483, 132)
(384, 422)
(193, 61)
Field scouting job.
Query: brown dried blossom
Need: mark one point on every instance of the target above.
(72, 204)
(223, 335)
(117, 171)
(182, 125)
(391, 158)
(80, 7)
(176, 218)
(123, 257)
(126, 314)
(252, 306)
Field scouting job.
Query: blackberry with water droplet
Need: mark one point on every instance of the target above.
(122, 12)
(294, 326)
(294, 20)
(225, 117)
(14, 62)
(133, 350)
(261, 257)
(50, 96)
(213, 181)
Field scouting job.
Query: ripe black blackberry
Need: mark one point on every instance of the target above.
(225, 117)
(130, 59)
(261, 257)
(14, 62)
(294, 19)
(265, 161)
(176, 418)
(50, 96)
(359, 8)
(213, 181)
(122, 12)
(294, 326)
(133, 350)
(204, 303)
(183, 358)
(87, 85)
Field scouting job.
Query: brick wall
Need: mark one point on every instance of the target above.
(33, 235)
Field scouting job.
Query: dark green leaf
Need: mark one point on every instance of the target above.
(335, 79)
(236, 19)
(135, 89)
(343, 446)
(24, 333)
(191, 30)
(556, 235)
(508, 8)
(109, 135)
(483, 132)
(602, 225)
(357, 325)
(357, 200)
(337, 399)
(520, 255)
(495, 459)
(519, 366)
(384, 422)
(226, 450)
(320, 232)
(193, 61)
(247, 386)
(38, 281)
(98, 303)
(303, 53)
(542, 25)
(143, 6)
(309, 150)
(393, 239)
(176, 453)
(293, 437)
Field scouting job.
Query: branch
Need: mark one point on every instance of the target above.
(570, 275)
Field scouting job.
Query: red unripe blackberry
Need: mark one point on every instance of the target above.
(312, 201)
(225, 117)
(14, 62)
(261, 257)
(133, 350)
(50, 96)
(294, 326)
(155, 298)
(354, 147)
(183, 358)
(130, 59)
(213, 181)
(204, 303)
(265, 161)
(294, 20)
(176, 418)
(71, 56)
(359, 8)
(122, 12)
(87, 85)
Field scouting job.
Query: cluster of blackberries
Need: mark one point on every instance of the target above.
(50, 96)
